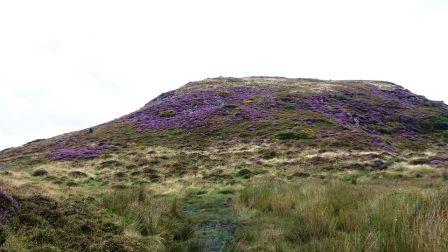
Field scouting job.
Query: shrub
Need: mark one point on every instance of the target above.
(433, 123)
(301, 174)
(110, 164)
(382, 130)
(307, 134)
(320, 121)
(290, 135)
(40, 172)
(444, 134)
(184, 232)
(245, 173)
(141, 161)
(167, 113)
(267, 154)
(290, 106)
(78, 174)
(230, 106)
(445, 174)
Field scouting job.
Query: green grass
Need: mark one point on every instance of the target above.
(131, 219)
(312, 215)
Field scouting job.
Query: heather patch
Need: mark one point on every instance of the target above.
(195, 109)
(8, 207)
(83, 152)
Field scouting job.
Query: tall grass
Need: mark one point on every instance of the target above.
(159, 221)
(141, 212)
(334, 216)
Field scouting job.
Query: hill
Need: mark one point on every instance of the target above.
(288, 161)
(368, 115)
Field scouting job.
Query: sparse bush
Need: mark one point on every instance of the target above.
(320, 121)
(301, 174)
(184, 232)
(141, 160)
(383, 130)
(6, 173)
(267, 153)
(379, 164)
(110, 164)
(40, 172)
(78, 174)
(245, 173)
(420, 161)
(433, 123)
(230, 106)
(444, 134)
(445, 174)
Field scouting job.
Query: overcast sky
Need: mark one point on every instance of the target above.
(68, 65)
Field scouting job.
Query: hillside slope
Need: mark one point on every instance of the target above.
(364, 115)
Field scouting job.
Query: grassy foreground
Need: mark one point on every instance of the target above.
(333, 216)
(265, 215)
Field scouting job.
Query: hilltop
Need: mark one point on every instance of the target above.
(240, 164)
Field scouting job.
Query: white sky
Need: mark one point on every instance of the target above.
(68, 65)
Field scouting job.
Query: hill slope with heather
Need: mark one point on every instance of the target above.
(244, 164)
(367, 115)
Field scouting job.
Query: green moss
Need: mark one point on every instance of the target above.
(167, 113)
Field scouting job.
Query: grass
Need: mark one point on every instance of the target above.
(139, 212)
(311, 215)
(218, 198)
(131, 219)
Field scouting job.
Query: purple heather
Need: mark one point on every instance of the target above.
(83, 152)
(8, 207)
